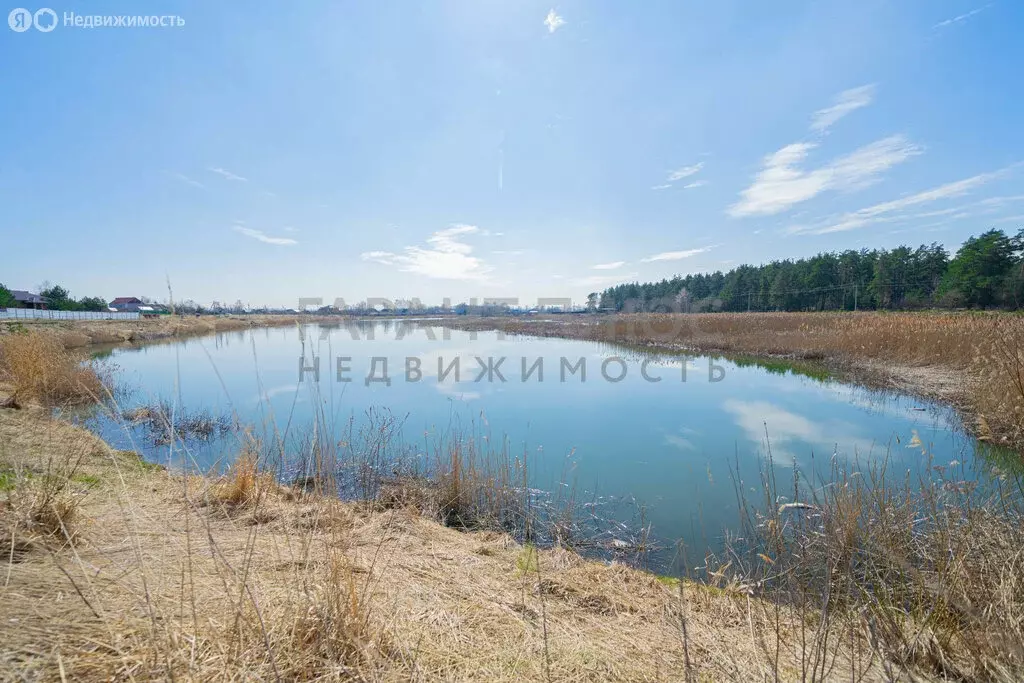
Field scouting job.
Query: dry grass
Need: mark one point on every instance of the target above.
(871, 582)
(39, 369)
(299, 586)
(80, 333)
(930, 572)
(975, 361)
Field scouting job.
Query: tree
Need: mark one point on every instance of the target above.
(6, 298)
(92, 303)
(981, 269)
(56, 297)
(592, 301)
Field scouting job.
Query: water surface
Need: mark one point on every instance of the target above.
(674, 452)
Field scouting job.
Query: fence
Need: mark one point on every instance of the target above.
(33, 314)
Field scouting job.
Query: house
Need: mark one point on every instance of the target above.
(126, 304)
(28, 299)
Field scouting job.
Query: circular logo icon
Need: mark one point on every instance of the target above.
(45, 20)
(20, 19)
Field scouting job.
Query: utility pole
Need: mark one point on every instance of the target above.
(854, 297)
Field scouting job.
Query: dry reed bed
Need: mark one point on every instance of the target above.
(972, 360)
(81, 333)
(38, 369)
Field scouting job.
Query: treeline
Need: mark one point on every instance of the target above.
(57, 299)
(987, 272)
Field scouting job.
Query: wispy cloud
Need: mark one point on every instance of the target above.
(685, 172)
(446, 257)
(962, 17)
(843, 103)
(781, 183)
(609, 266)
(227, 174)
(263, 237)
(695, 183)
(893, 210)
(185, 179)
(675, 255)
(554, 21)
(681, 173)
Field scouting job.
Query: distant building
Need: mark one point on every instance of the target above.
(28, 299)
(126, 304)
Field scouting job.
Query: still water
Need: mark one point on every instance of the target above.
(666, 450)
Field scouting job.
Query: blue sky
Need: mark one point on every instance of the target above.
(266, 151)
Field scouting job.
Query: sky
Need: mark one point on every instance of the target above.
(265, 151)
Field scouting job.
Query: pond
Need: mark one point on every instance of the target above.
(634, 435)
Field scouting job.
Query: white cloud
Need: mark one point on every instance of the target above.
(785, 430)
(695, 183)
(957, 19)
(675, 255)
(781, 183)
(446, 257)
(227, 174)
(609, 266)
(661, 187)
(685, 172)
(843, 103)
(679, 442)
(891, 210)
(999, 201)
(263, 237)
(554, 21)
(185, 179)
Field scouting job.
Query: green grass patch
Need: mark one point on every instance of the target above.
(88, 479)
(526, 561)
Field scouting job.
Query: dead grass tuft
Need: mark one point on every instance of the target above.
(244, 485)
(40, 370)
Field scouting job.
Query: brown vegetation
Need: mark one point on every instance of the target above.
(80, 333)
(295, 586)
(39, 369)
(116, 569)
(930, 571)
(974, 361)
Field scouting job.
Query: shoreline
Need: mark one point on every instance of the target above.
(75, 334)
(947, 384)
(157, 569)
(116, 568)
